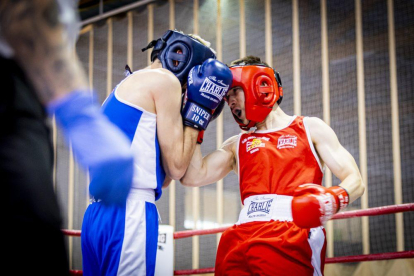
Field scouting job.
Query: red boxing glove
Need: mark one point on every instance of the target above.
(313, 204)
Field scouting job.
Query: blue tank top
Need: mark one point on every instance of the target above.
(140, 127)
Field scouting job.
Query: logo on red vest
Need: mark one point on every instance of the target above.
(254, 143)
(287, 141)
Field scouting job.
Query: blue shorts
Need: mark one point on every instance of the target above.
(121, 240)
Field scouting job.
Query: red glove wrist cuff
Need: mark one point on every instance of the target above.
(200, 137)
(341, 195)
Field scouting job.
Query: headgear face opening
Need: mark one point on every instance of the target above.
(179, 53)
(262, 88)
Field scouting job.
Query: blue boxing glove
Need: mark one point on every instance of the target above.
(97, 144)
(207, 84)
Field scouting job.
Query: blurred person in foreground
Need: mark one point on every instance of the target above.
(41, 76)
(162, 125)
(279, 160)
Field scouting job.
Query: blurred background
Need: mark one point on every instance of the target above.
(348, 62)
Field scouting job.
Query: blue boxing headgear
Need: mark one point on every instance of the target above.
(192, 53)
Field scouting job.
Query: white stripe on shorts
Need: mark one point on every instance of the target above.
(316, 242)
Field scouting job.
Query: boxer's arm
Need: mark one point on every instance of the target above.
(177, 142)
(38, 35)
(336, 157)
(211, 168)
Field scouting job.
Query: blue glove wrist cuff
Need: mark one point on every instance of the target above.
(196, 116)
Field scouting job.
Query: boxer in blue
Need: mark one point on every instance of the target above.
(148, 106)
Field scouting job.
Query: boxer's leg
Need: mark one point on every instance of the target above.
(231, 251)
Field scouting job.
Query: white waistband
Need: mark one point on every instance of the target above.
(265, 208)
(147, 195)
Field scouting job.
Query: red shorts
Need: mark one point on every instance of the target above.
(271, 248)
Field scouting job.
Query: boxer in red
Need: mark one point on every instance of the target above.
(280, 165)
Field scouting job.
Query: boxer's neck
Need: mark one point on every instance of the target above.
(276, 119)
(155, 65)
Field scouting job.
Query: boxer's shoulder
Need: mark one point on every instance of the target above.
(149, 82)
(231, 144)
(155, 77)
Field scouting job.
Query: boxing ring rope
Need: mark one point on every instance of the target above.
(334, 260)
(376, 211)
(344, 259)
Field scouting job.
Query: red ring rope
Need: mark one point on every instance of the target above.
(194, 271)
(73, 233)
(344, 259)
(371, 257)
(376, 211)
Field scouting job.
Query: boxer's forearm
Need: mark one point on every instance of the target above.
(178, 157)
(189, 147)
(354, 185)
(195, 170)
(41, 46)
(209, 169)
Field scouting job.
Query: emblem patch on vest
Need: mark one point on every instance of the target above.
(254, 145)
(287, 141)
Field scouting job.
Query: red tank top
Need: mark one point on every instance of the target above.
(277, 161)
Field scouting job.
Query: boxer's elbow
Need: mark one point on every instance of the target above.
(186, 180)
(174, 169)
(182, 172)
(176, 173)
(360, 188)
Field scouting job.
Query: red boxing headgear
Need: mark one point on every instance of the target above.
(259, 99)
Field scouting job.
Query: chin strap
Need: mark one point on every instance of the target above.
(247, 126)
